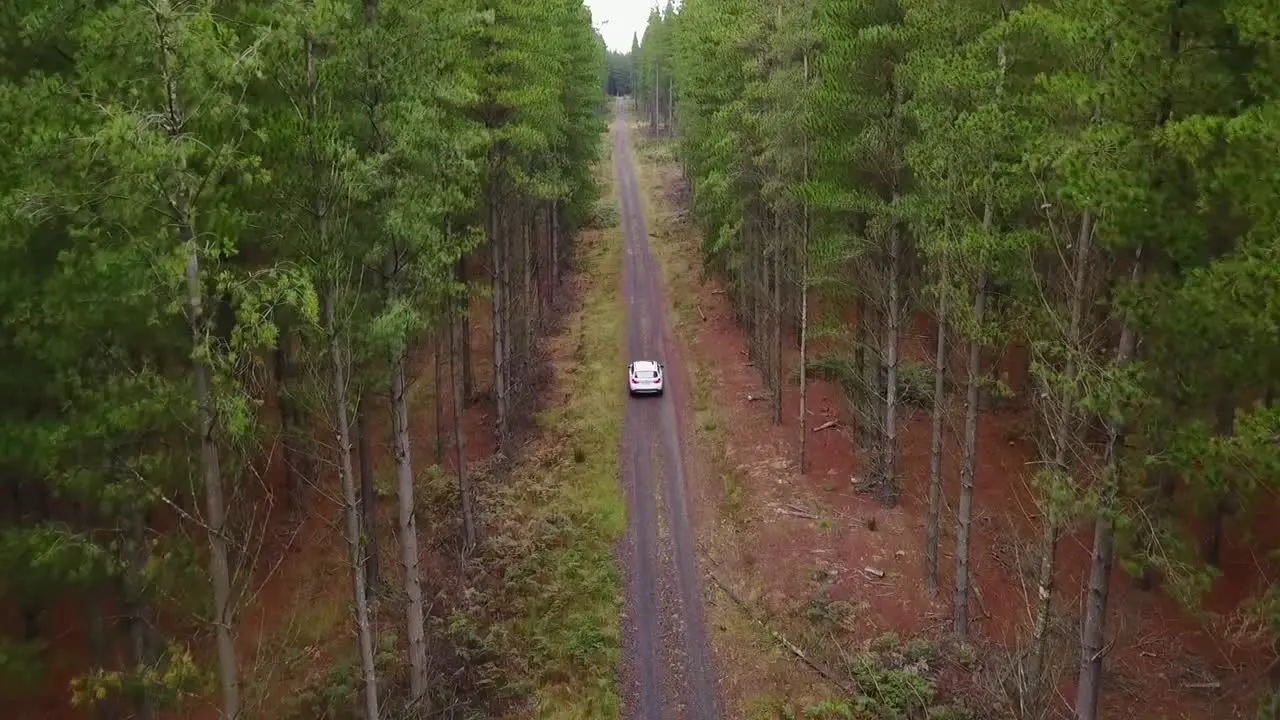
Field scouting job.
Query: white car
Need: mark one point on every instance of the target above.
(644, 376)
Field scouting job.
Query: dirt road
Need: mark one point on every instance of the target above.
(666, 671)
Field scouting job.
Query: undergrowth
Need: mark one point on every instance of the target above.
(555, 526)
(915, 379)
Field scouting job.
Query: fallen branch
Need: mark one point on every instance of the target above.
(797, 511)
(826, 674)
(825, 425)
(982, 605)
(1202, 685)
(700, 313)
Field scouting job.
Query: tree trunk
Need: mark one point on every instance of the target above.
(467, 381)
(1093, 626)
(671, 89)
(893, 331)
(556, 260)
(135, 606)
(414, 609)
(1065, 428)
(969, 465)
(657, 100)
(219, 566)
(932, 530)
(510, 390)
(1226, 423)
(215, 512)
(775, 343)
(460, 444)
(499, 333)
(438, 394)
(530, 298)
(368, 501)
(351, 509)
(290, 430)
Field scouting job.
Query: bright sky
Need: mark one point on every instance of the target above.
(618, 20)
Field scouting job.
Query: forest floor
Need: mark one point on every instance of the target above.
(803, 572)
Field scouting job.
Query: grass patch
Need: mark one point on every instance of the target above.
(557, 522)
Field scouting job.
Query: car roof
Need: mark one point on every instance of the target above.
(644, 365)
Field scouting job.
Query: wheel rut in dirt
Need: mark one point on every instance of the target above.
(667, 670)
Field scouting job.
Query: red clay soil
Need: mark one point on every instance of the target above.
(1158, 649)
(292, 555)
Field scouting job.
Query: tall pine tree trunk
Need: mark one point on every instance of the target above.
(972, 396)
(893, 331)
(499, 314)
(1094, 625)
(415, 613)
(460, 441)
(368, 501)
(969, 464)
(775, 342)
(932, 527)
(804, 303)
(510, 388)
(137, 614)
(339, 373)
(465, 320)
(295, 457)
(438, 397)
(215, 510)
(1065, 428)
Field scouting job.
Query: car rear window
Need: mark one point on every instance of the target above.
(646, 374)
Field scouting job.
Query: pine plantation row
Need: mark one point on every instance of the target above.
(228, 224)
(1094, 179)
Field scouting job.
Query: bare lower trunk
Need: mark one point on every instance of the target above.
(219, 567)
(135, 606)
(295, 458)
(964, 515)
(415, 614)
(804, 306)
(368, 501)
(804, 349)
(351, 509)
(467, 380)
(555, 245)
(499, 332)
(510, 391)
(438, 394)
(215, 512)
(932, 530)
(1093, 626)
(775, 342)
(530, 304)
(893, 330)
(460, 445)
